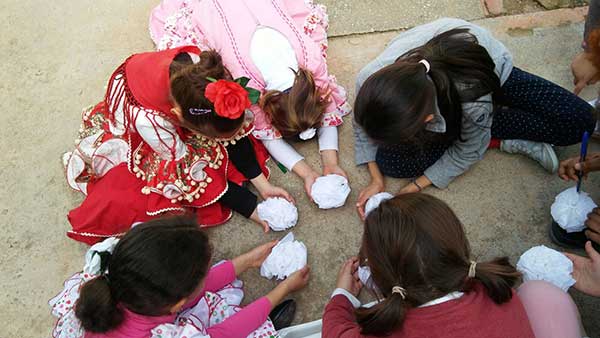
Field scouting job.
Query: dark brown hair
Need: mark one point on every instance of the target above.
(154, 266)
(393, 103)
(188, 83)
(415, 241)
(300, 109)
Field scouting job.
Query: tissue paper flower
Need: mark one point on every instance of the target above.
(543, 263)
(278, 213)
(364, 274)
(570, 209)
(376, 200)
(287, 257)
(330, 191)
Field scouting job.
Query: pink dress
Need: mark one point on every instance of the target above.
(215, 313)
(227, 26)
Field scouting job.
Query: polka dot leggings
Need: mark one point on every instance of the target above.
(528, 108)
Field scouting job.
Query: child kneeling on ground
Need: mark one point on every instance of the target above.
(429, 285)
(158, 283)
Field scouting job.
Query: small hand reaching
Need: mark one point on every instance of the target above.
(586, 271)
(298, 280)
(374, 188)
(348, 277)
(259, 221)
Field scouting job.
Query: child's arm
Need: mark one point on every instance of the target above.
(328, 146)
(243, 156)
(283, 153)
(339, 320)
(254, 315)
(376, 186)
(161, 135)
(470, 148)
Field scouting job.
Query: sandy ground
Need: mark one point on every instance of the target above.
(57, 57)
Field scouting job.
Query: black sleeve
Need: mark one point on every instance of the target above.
(239, 199)
(244, 158)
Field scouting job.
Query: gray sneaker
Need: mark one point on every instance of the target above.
(543, 153)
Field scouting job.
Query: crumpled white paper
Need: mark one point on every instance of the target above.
(364, 274)
(570, 209)
(278, 213)
(330, 191)
(287, 257)
(543, 263)
(93, 260)
(308, 134)
(375, 200)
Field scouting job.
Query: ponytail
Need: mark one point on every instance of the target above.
(97, 308)
(498, 277)
(295, 111)
(393, 103)
(383, 318)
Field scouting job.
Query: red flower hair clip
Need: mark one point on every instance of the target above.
(231, 98)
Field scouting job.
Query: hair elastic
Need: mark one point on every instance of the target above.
(472, 269)
(199, 111)
(426, 64)
(399, 290)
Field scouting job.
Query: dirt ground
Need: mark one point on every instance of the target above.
(58, 56)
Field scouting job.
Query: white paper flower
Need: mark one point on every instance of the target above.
(308, 134)
(376, 200)
(364, 274)
(287, 257)
(330, 191)
(93, 260)
(278, 213)
(543, 263)
(570, 209)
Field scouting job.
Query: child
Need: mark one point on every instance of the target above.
(441, 94)
(158, 283)
(166, 139)
(280, 46)
(429, 285)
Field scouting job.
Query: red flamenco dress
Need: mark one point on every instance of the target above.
(133, 162)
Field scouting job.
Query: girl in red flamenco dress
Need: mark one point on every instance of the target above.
(172, 135)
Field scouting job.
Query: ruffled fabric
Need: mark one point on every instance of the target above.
(179, 22)
(151, 185)
(211, 310)
(63, 307)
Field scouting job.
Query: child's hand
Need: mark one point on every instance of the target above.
(330, 163)
(334, 169)
(348, 277)
(259, 221)
(309, 180)
(586, 271)
(298, 280)
(274, 191)
(568, 168)
(255, 257)
(375, 187)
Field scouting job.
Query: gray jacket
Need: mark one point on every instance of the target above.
(477, 116)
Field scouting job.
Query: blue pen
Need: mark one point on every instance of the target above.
(582, 156)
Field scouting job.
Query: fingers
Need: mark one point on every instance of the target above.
(288, 196)
(579, 86)
(592, 253)
(266, 227)
(593, 236)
